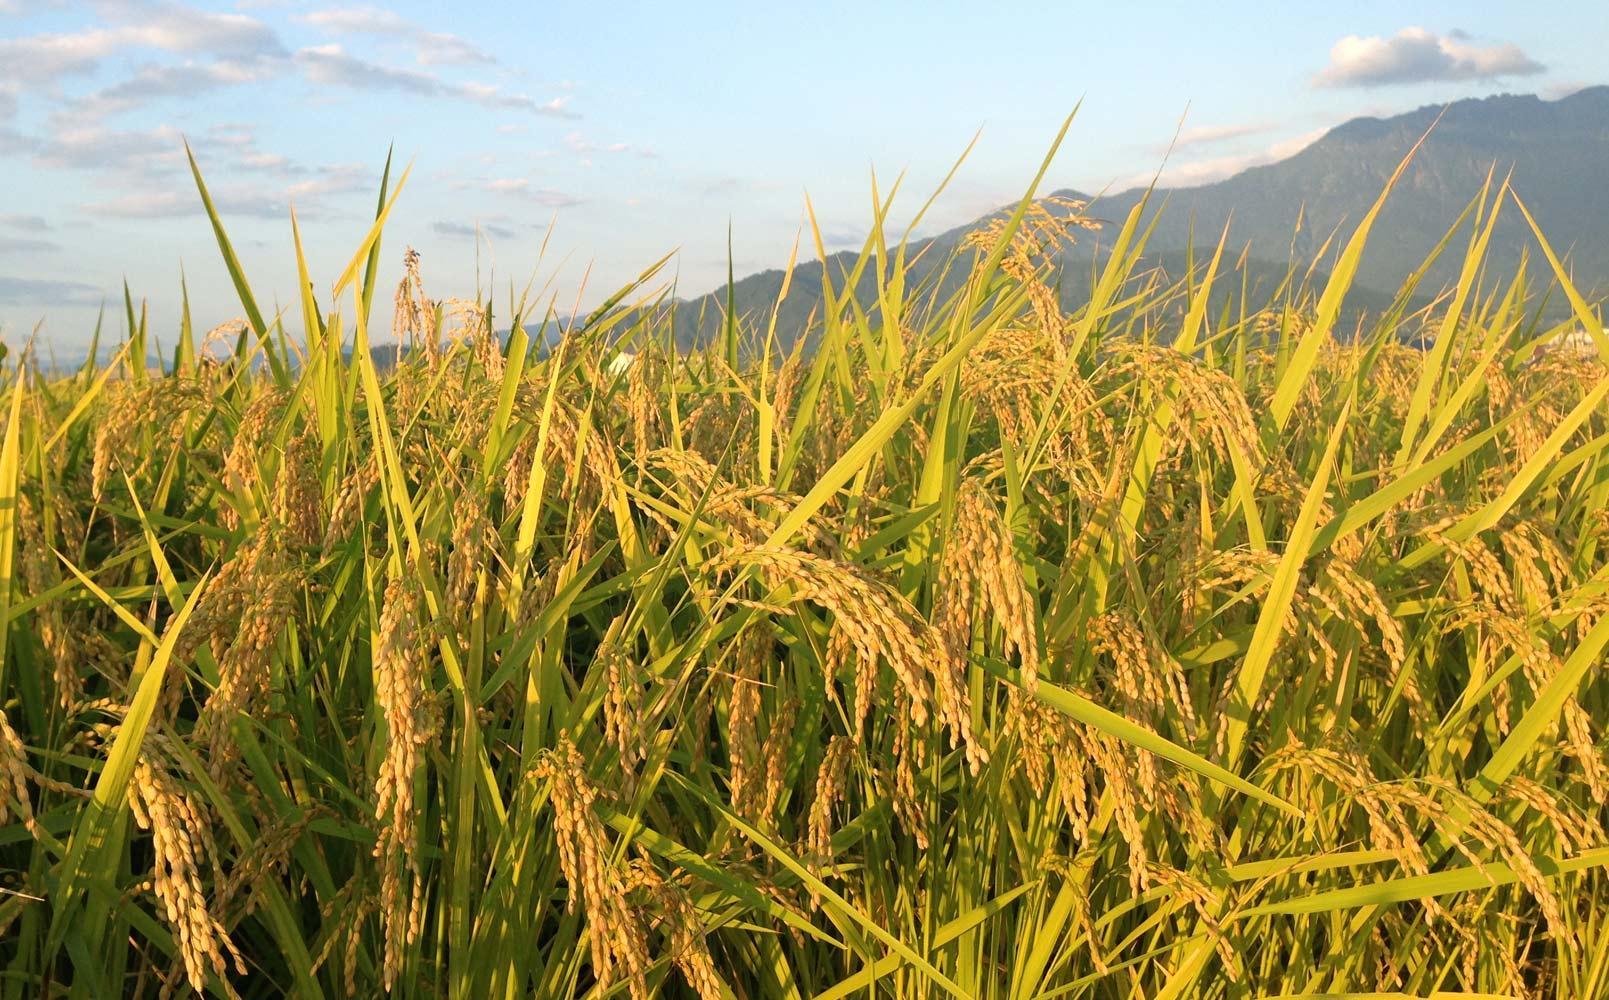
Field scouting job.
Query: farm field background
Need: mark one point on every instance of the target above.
(1184, 644)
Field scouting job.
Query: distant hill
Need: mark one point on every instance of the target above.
(1558, 152)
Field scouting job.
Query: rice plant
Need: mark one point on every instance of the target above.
(1181, 645)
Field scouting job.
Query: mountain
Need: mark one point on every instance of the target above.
(1557, 153)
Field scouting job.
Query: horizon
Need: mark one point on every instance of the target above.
(94, 100)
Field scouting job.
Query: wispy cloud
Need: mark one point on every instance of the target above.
(14, 143)
(333, 66)
(1212, 135)
(92, 146)
(432, 48)
(578, 142)
(258, 200)
(239, 134)
(1415, 55)
(1192, 173)
(1564, 88)
(34, 223)
(235, 144)
(340, 178)
(188, 79)
(44, 292)
(276, 163)
(31, 242)
(465, 231)
(173, 204)
(839, 237)
(138, 158)
(523, 188)
(27, 245)
(722, 186)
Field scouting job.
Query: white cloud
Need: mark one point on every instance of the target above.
(332, 66)
(1414, 55)
(165, 26)
(432, 48)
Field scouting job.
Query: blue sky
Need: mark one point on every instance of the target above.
(640, 129)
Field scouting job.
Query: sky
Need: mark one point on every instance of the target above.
(567, 146)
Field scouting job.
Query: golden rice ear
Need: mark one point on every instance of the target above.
(745, 754)
(881, 627)
(614, 927)
(830, 789)
(979, 575)
(15, 800)
(471, 546)
(181, 843)
(403, 691)
(686, 939)
(242, 619)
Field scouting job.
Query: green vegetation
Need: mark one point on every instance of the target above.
(1169, 646)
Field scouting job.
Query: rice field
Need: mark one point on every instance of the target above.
(1188, 644)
